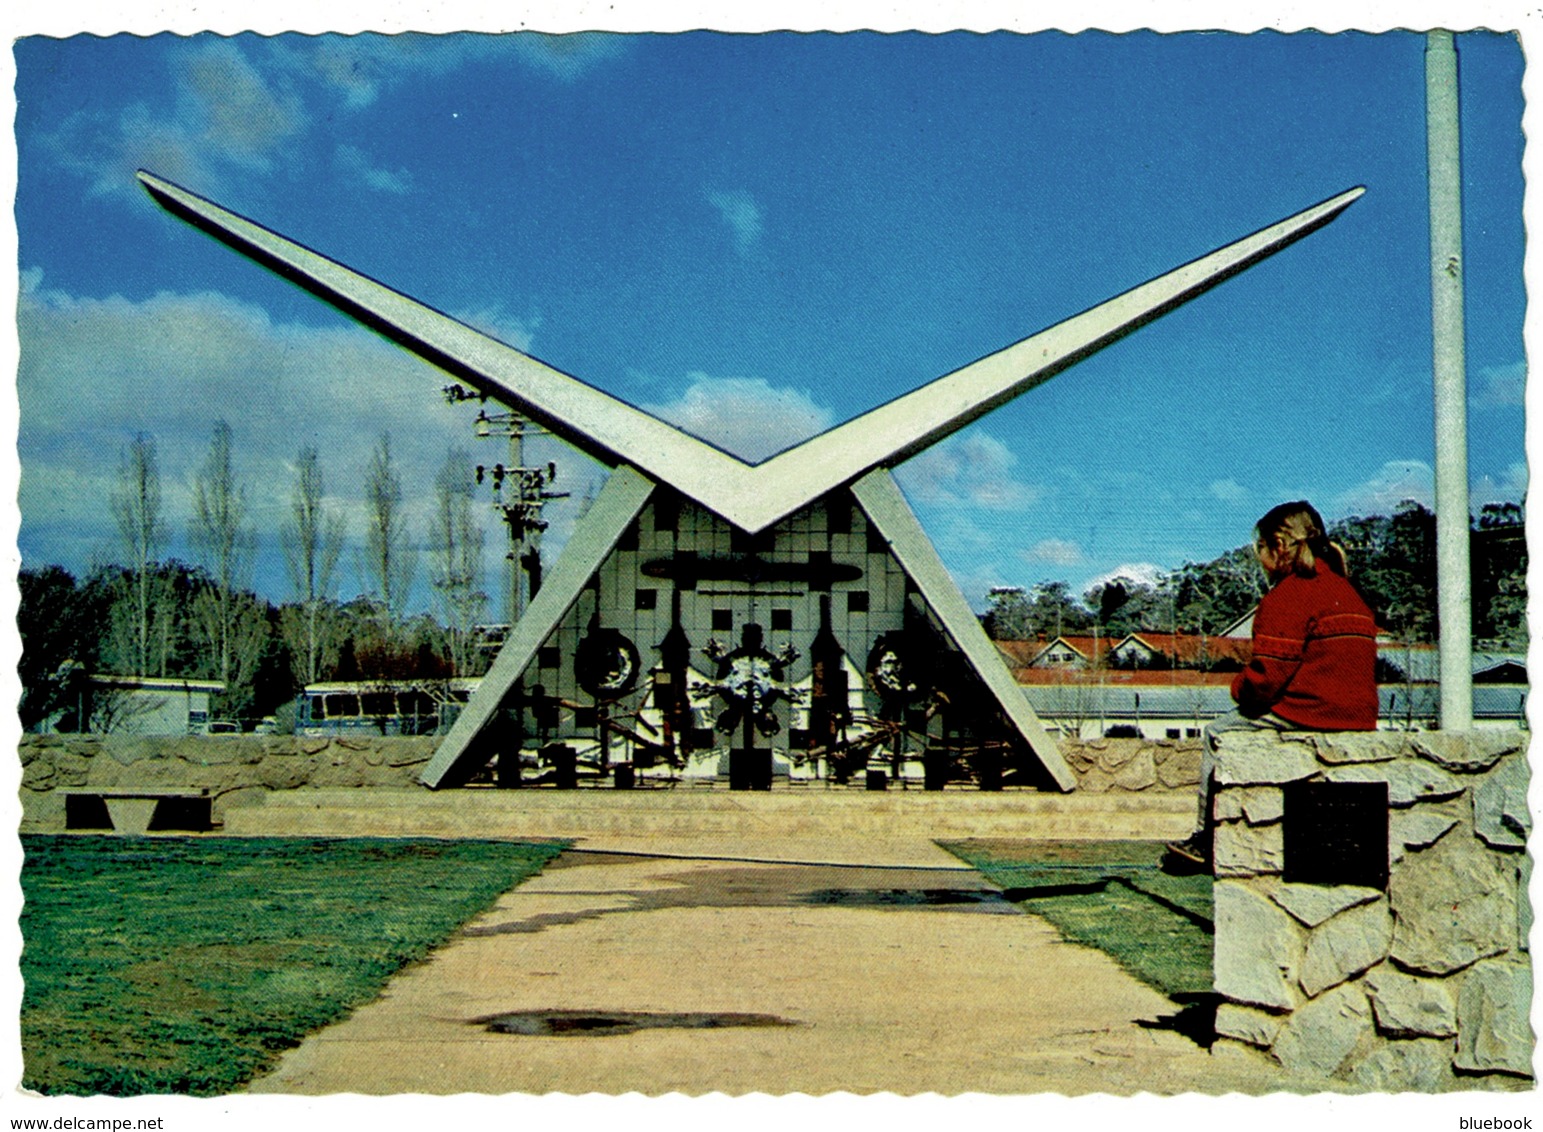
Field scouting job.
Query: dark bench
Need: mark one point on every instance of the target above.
(139, 809)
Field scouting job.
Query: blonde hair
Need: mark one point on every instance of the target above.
(1304, 541)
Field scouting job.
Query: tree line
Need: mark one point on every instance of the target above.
(1392, 562)
(146, 614)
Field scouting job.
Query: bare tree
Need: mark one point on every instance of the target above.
(390, 560)
(140, 607)
(312, 539)
(225, 546)
(455, 543)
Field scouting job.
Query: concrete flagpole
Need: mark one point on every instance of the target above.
(1453, 597)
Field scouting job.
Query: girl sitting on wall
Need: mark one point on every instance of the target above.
(1314, 654)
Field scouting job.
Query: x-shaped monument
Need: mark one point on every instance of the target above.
(645, 452)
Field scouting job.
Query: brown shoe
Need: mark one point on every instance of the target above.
(1189, 857)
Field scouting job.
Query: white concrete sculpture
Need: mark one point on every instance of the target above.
(785, 496)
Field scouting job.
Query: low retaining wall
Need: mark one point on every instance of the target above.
(237, 770)
(1418, 979)
(244, 769)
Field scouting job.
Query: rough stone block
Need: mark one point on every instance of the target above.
(1312, 904)
(1244, 850)
(1260, 805)
(1416, 829)
(1252, 760)
(1094, 781)
(1409, 780)
(411, 752)
(1345, 945)
(1366, 747)
(283, 774)
(1405, 1006)
(1500, 815)
(1117, 754)
(1493, 1032)
(1247, 1024)
(1420, 1066)
(1227, 803)
(1259, 948)
(1468, 751)
(1181, 768)
(1138, 774)
(1453, 904)
(1321, 1037)
(1263, 804)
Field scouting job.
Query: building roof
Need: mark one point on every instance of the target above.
(155, 683)
(1192, 648)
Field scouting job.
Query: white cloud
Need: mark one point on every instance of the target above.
(567, 57)
(495, 322)
(1229, 491)
(352, 161)
(1394, 482)
(225, 113)
(1511, 487)
(1055, 551)
(1502, 386)
(744, 415)
(94, 372)
(972, 469)
(237, 110)
(741, 214)
(1141, 573)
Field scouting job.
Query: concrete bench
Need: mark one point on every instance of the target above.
(138, 809)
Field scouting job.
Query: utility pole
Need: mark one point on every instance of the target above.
(1453, 585)
(519, 495)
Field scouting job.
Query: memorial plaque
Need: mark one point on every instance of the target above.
(1336, 833)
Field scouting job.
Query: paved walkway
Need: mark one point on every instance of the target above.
(886, 964)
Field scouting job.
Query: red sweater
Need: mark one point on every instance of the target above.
(1315, 656)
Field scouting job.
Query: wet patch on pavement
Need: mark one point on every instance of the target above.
(602, 1023)
(772, 886)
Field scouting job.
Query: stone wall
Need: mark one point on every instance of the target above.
(243, 769)
(236, 769)
(1424, 986)
(1134, 765)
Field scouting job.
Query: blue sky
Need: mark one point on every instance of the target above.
(759, 236)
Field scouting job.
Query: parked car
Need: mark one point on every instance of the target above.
(222, 727)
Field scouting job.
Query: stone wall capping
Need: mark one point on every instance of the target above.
(1264, 759)
(1468, 751)
(1358, 747)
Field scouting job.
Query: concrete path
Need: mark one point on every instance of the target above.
(906, 975)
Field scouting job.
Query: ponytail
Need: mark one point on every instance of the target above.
(1300, 529)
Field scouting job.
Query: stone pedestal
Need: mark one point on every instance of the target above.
(1424, 983)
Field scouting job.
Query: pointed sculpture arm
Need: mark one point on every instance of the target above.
(903, 427)
(752, 498)
(603, 426)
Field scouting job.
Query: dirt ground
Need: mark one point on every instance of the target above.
(882, 963)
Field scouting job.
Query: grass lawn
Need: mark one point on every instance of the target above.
(185, 965)
(1112, 896)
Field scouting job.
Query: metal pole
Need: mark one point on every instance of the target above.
(1444, 159)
